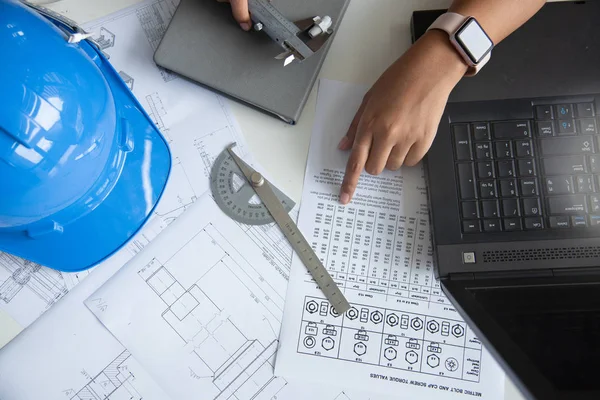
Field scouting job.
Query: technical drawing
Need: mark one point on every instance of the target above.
(433, 361)
(105, 39)
(114, 382)
(47, 284)
(154, 19)
(360, 348)
(172, 207)
(390, 353)
(127, 79)
(451, 364)
(157, 111)
(411, 357)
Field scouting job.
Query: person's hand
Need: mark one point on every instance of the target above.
(240, 12)
(399, 116)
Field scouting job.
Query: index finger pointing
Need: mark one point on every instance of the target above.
(354, 167)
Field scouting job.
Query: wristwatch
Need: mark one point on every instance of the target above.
(468, 38)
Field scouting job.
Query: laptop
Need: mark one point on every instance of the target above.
(514, 191)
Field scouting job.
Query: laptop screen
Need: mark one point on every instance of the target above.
(556, 326)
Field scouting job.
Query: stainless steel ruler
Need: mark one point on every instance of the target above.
(234, 201)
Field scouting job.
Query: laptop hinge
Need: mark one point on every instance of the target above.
(502, 274)
(576, 271)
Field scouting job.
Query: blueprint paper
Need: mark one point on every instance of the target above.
(196, 123)
(401, 336)
(68, 353)
(201, 307)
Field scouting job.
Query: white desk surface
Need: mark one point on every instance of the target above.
(373, 34)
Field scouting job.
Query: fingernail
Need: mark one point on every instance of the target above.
(343, 143)
(344, 198)
(245, 26)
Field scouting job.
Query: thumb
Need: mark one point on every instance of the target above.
(241, 14)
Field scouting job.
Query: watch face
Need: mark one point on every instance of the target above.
(474, 40)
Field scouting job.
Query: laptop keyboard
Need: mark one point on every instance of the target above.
(530, 174)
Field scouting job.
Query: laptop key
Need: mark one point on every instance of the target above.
(470, 210)
(487, 189)
(531, 207)
(466, 181)
(564, 165)
(564, 111)
(508, 188)
(503, 150)
(483, 151)
(566, 128)
(485, 170)
(534, 223)
(585, 184)
(559, 222)
(490, 208)
(587, 125)
(579, 221)
(595, 203)
(524, 148)
(510, 208)
(585, 109)
(481, 131)
(506, 169)
(570, 204)
(545, 128)
(529, 187)
(543, 112)
(462, 143)
(491, 225)
(595, 164)
(511, 130)
(526, 168)
(594, 220)
(559, 185)
(471, 227)
(568, 145)
(512, 224)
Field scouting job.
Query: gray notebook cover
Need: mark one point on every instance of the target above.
(205, 44)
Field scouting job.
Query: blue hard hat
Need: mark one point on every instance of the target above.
(82, 166)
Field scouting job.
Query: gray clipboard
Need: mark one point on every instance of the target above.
(204, 44)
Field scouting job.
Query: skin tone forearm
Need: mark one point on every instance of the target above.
(399, 116)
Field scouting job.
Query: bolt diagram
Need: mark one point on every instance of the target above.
(416, 323)
(390, 353)
(360, 348)
(433, 361)
(312, 307)
(411, 357)
(451, 364)
(352, 313)
(433, 326)
(328, 343)
(309, 342)
(376, 317)
(458, 330)
(333, 312)
(392, 320)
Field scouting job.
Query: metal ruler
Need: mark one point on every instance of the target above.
(234, 202)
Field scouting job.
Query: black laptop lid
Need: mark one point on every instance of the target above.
(544, 331)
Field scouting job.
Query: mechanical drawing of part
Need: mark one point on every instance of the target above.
(413, 344)
(433, 361)
(312, 307)
(127, 79)
(105, 39)
(392, 320)
(360, 348)
(309, 342)
(433, 326)
(328, 343)
(434, 348)
(458, 330)
(324, 308)
(451, 364)
(376, 317)
(416, 323)
(392, 340)
(329, 330)
(364, 315)
(390, 353)
(404, 321)
(352, 313)
(411, 357)
(311, 329)
(333, 312)
(445, 328)
(361, 335)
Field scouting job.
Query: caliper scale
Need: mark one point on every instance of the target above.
(237, 202)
